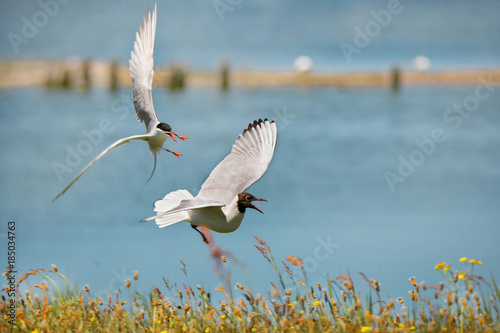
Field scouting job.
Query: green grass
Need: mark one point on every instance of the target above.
(462, 302)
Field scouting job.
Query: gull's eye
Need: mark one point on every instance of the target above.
(248, 198)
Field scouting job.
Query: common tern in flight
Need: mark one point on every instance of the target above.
(141, 72)
(222, 201)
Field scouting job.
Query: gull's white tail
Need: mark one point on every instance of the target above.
(170, 201)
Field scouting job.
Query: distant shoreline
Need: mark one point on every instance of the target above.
(84, 74)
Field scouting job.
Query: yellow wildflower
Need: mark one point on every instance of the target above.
(365, 329)
(446, 268)
(291, 304)
(316, 303)
(463, 259)
(440, 265)
(295, 261)
(479, 262)
(207, 330)
(222, 316)
(462, 275)
(254, 329)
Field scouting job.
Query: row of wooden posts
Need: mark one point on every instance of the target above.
(79, 77)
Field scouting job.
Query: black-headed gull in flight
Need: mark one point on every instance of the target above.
(222, 201)
(141, 72)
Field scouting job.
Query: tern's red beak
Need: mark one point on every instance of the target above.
(173, 136)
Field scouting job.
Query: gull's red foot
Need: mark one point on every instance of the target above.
(201, 233)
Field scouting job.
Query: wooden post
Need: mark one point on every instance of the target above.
(225, 76)
(395, 78)
(113, 75)
(85, 79)
(177, 77)
(65, 82)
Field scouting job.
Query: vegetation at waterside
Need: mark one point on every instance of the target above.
(462, 302)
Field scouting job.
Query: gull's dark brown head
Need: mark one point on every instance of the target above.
(245, 201)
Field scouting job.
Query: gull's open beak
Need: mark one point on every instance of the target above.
(255, 206)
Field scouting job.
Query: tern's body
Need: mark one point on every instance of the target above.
(141, 72)
(221, 203)
(156, 140)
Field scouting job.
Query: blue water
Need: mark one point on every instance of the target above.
(326, 183)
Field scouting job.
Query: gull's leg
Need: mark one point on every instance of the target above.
(201, 233)
(173, 152)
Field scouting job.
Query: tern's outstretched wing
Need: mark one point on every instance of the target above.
(104, 152)
(141, 71)
(247, 162)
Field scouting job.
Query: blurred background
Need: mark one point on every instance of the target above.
(380, 180)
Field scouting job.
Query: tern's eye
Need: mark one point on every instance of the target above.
(248, 198)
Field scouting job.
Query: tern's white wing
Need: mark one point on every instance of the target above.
(141, 71)
(104, 152)
(247, 162)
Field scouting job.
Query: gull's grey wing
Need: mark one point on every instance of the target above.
(141, 71)
(104, 152)
(248, 161)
